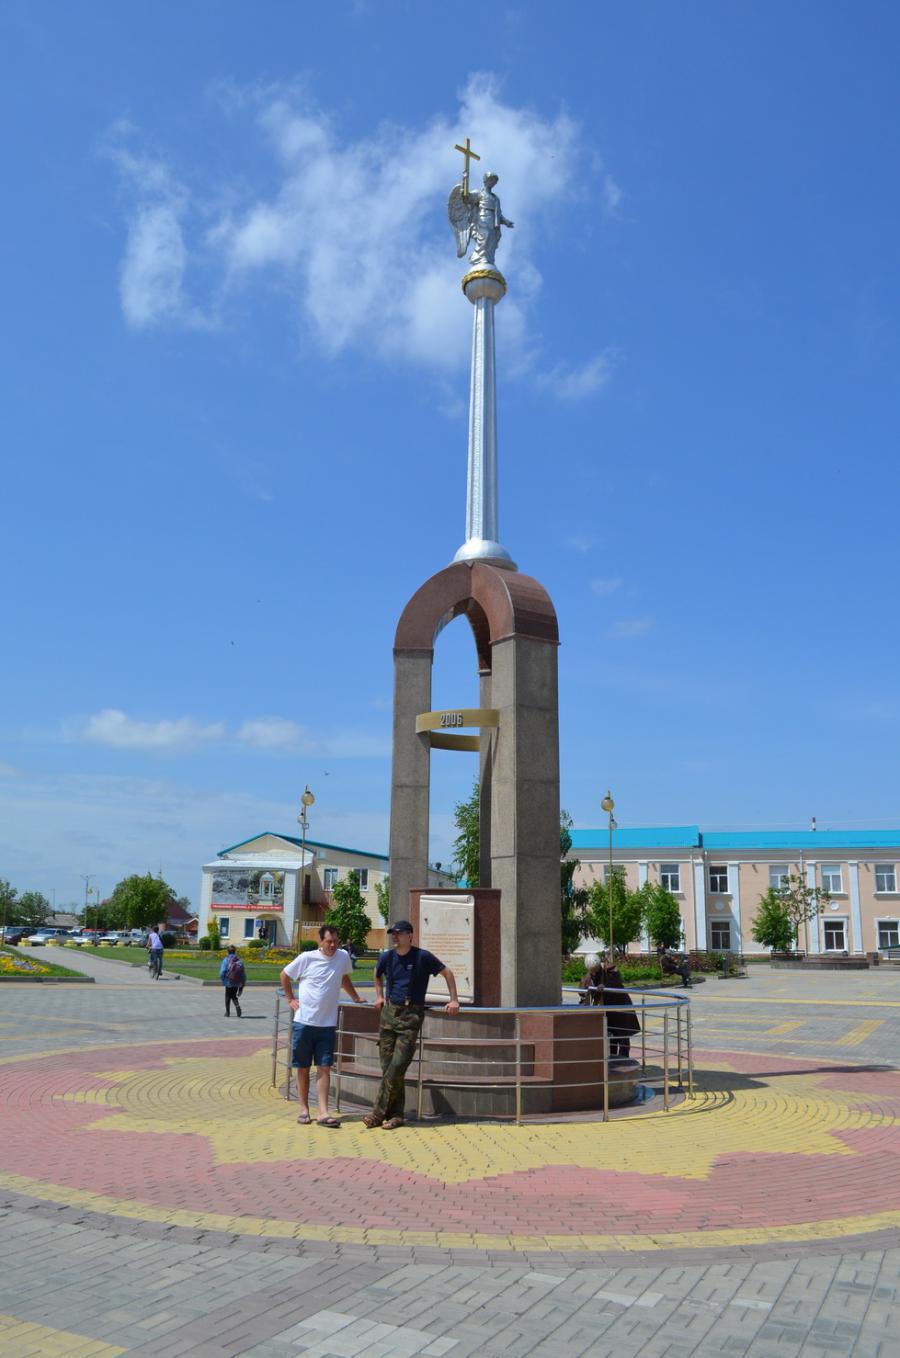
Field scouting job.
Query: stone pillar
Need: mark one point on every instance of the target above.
(524, 768)
(410, 778)
(485, 764)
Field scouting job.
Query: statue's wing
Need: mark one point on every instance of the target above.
(460, 219)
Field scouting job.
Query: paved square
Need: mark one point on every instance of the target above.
(158, 1196)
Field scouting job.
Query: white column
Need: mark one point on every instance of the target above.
(856, 942)
(700, 904)
(734, 890)
(289, 903)
(813, 927)
(483, 288)
(642, 881)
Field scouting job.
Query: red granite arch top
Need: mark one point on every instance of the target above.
(497, 603)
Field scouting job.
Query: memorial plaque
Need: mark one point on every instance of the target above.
(447, 928)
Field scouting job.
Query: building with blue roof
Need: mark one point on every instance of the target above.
(719, 877)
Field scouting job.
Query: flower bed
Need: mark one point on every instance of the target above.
(13, 964)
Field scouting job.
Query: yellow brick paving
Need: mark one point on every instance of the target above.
(858, 1035)
(23, 1339)
(229, 1101)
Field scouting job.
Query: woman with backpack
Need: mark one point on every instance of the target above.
(233, 976)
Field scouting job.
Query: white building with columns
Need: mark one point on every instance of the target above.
(719, 877)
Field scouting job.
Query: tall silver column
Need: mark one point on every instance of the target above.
(484, 288)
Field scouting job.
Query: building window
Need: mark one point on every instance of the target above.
(720, 935)
(888, 933)
(363, 878)
(224, 928)
(670, 876)
(885, 877)
(718, 880)
(835, 935)
(329, 877)
(778, 876)
(249, 928)
(831, 878)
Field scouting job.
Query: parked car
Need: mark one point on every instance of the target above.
(15, 933)
(91, 936)
(41, 937)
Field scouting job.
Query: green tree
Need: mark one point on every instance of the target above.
(348, 914)
(773, 926)
(466, 818)
(783, 910)
(662, 916)
(32, 909)
(140, 901)
(383, 897)
(573, 900)
(8, 896)
(627, 910)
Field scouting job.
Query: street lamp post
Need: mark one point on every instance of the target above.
(88, 891)
(609, 806)
(306, 801)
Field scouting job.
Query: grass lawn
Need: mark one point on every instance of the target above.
(206, 968)
(18, 966)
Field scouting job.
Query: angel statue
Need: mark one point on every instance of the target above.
(477, 217)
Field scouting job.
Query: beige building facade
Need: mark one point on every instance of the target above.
(719, 877)
(268, 887)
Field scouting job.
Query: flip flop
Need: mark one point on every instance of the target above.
(327, 1122)
(392, 1124)
(304, 1119)
(370, 1121)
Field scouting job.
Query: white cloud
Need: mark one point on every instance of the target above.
(273, 733)
(151, 278)
(575, 383)
(281, 735)
(631, 627)
(612, 195)
(603, 588)
(579, 542)
(356, 230)
(153, 269)
(113, 728)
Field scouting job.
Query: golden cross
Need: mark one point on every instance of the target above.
(469, 155)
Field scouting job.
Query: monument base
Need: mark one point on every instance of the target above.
(469, 1064)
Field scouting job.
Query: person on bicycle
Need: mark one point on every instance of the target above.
(155, 951)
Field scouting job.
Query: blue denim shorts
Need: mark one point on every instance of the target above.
(311, 1045)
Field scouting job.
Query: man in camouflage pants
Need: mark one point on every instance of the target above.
(404, 972)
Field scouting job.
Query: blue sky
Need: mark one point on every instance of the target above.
(235, 378)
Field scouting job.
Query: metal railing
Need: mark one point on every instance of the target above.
(665, 1042)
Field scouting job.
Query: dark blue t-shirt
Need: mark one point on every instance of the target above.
(407, 977)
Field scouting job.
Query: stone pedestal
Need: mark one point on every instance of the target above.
(469, 1063)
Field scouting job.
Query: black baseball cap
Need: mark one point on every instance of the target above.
(402, 926)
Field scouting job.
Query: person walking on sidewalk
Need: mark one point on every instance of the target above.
(404, 972)
(320, 975)
(233, 975)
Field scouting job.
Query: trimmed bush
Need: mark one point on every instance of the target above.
(205, 943)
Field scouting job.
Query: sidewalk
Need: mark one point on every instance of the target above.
(149, 1169)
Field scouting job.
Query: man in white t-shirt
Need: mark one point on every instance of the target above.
(320, 976)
